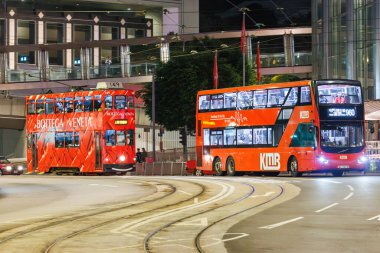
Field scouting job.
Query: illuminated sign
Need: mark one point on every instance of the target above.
(121, 122)
(341, 112)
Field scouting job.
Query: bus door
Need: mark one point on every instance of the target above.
(304, 139)
(98, 151)
(34, 150)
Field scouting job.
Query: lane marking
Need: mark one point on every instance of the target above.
(331, 181)
(350, 187)
(281, 223)
(265, 195)
(327, 207)
(349, 196)
(196, 201)
(374, 218)
(236, 236)
(185, 192)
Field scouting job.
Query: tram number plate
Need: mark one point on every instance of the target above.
(343, 167)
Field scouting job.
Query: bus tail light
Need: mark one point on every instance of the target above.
(323, 160)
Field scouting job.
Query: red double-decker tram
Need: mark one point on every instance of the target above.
(84, 132)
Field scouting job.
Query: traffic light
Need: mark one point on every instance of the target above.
(182, 137)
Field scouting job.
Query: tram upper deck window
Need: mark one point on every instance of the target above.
(59, 105)
(88, 104)
(40, 107)
(49, 106)
(131, 102)
(108, 102)
(69, 107)
(31, 107)
(78, 104)
(98, 103)
(120, 102)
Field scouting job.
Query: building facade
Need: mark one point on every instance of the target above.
(346, 42)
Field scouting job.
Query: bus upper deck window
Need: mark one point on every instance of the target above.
(31, 107)
(305, 94)
(108, 102)
(88, 105)
(59, 105)
(204, 102)
(78, 104)
(120, 102)
(98, 103)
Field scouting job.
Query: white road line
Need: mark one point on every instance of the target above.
(196, 201)
(349, 196)
(104, 185)
(265, 195)
(281, 223)
(331, 181)
(374, 218)
(327, 207)
(350, 187)
(185, 192)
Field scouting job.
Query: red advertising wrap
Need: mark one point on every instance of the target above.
(84, 131)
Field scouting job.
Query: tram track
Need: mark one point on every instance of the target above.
(21, 233)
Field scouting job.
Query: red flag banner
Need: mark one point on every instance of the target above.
(215, 74)
(258, 63)
(242, 40)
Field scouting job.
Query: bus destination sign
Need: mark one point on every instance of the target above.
(342, 112)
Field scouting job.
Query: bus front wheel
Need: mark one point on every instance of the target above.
(293, 167)
(230, 167)
(217, 167)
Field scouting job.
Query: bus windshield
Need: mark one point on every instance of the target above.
(342, 136)
(339, 94)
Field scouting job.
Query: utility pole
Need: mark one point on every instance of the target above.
(154, 116)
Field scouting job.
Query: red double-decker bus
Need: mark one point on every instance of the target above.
(83, 131)
(295, 127)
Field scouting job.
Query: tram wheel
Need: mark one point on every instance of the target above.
(230, 167)
(293, 167)
(198, 173)
(217, 167)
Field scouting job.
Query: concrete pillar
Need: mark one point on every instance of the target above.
(12, 61)
(3, 67)
(69, 38)
(350, 53)
(125, 61)
(376, 56)
(289, 49)
(96, 59)
(326, 37)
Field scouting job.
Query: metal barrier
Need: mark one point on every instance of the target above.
(160, 169)
(373, 155)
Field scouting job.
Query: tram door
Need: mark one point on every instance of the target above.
(34, 148)
(98, 151)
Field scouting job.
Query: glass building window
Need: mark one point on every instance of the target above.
(110, 33)
(54, 35)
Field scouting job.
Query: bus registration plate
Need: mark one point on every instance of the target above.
(343, 167)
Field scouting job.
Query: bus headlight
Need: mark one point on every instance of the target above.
(362, 159)
(8, 168)
(323, 160)
(122, 158)
(20, 168)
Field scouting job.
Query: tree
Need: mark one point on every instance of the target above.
(178, 81)
(284, 78)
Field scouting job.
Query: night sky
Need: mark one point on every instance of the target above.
(223, 15)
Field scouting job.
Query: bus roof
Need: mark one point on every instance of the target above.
(80, 93)
(256, 87)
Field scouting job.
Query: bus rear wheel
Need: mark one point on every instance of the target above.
(293, 167)
(337, 173)
(230, 167)
(217, 167)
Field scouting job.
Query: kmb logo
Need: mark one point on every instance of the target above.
(270, 161)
